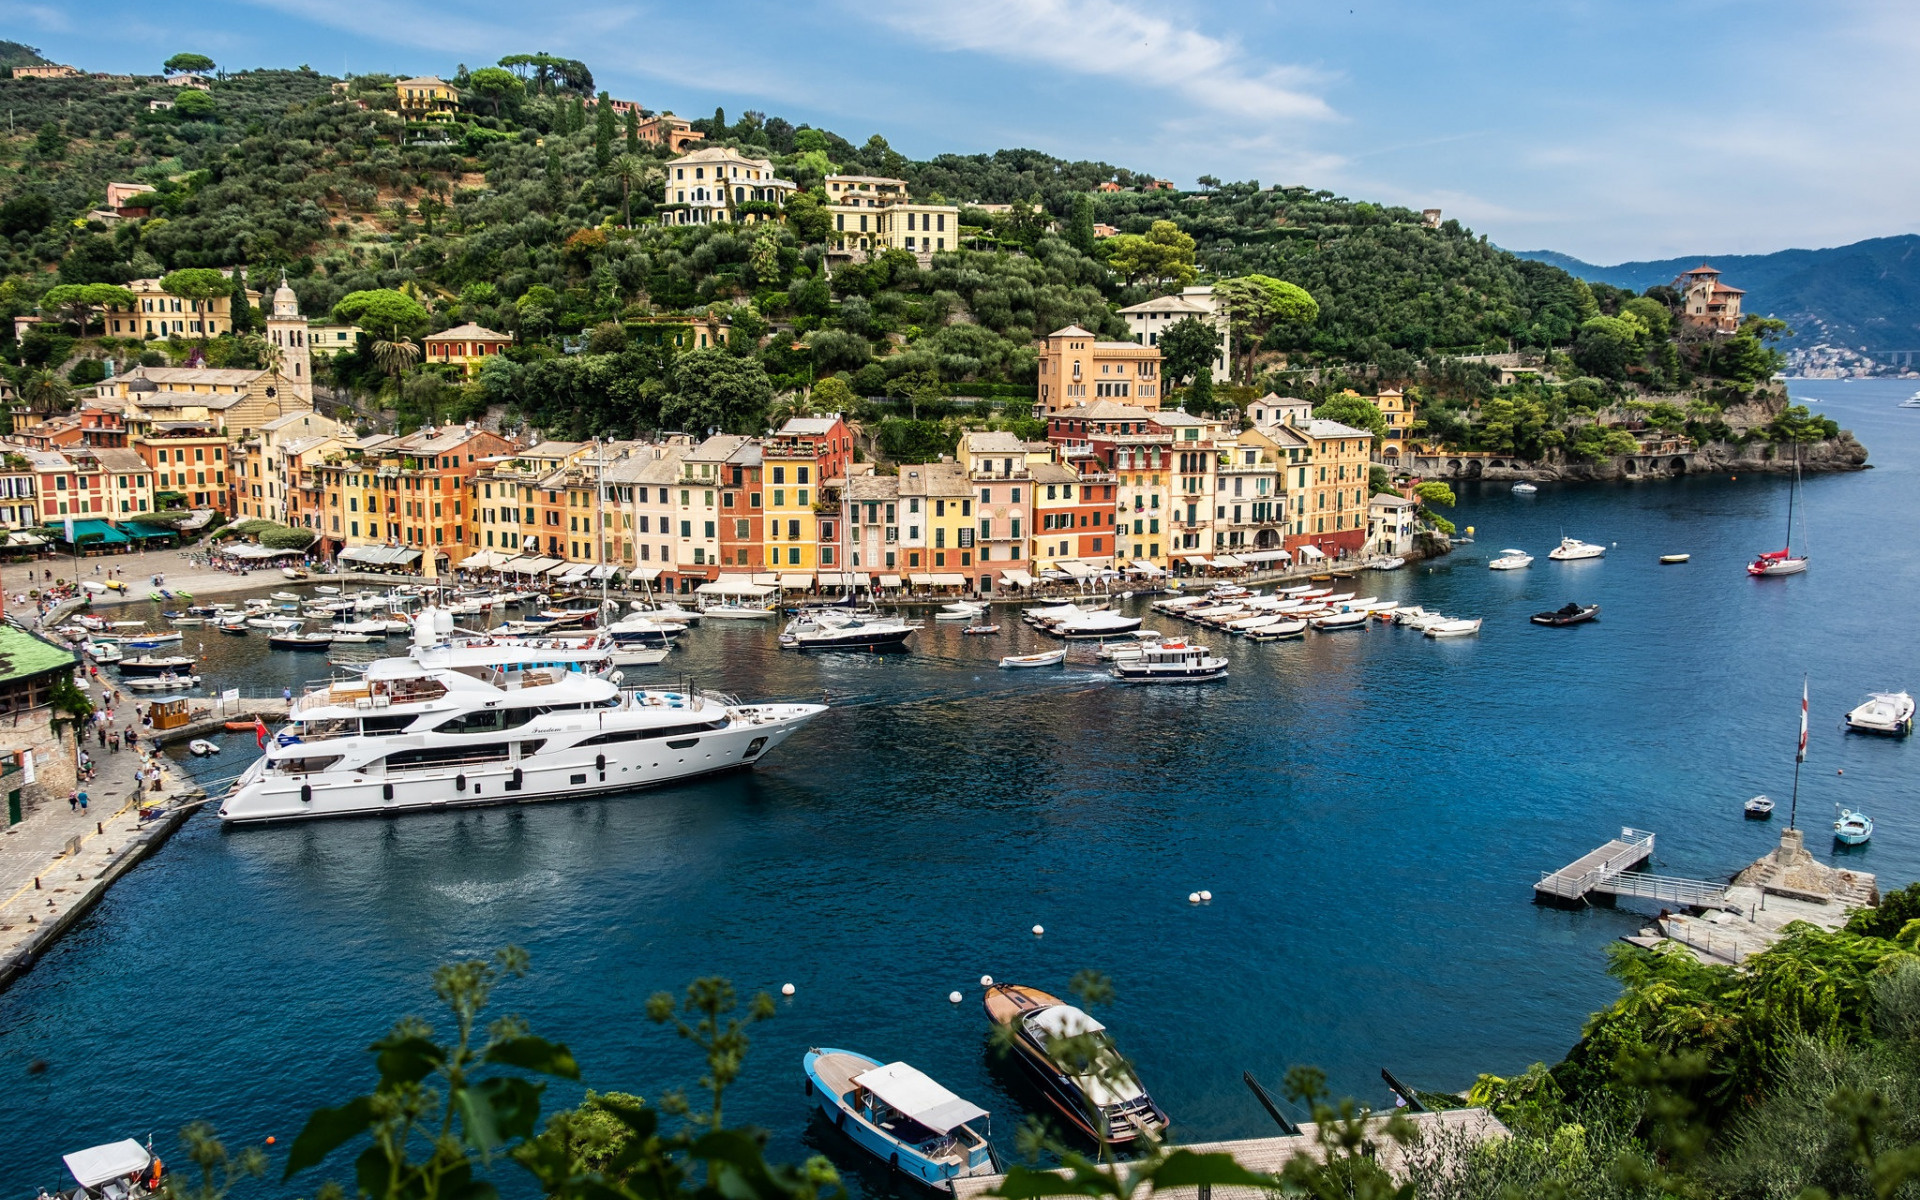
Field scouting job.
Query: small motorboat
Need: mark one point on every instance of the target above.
(1671, 559)
(1510, 560)
(105, 652)
(1852, 828)
(296, 639)
(638, 656)
(1568, 614)
(900, 1116)
(156, 664)
(1887, 713)
(1524, 489)
(980, 630)
(123, 1169)
(1759, 809)
(148, 641)
(283, 597)
(1282, 628)
(1573, 550)
(202, 747)
(160, 683)
(1342, 620)
(325, 590)
(294, 572)
(232, 628)
(1109, 1104)
(959, 610)
(1453, 629)
(1049, 658)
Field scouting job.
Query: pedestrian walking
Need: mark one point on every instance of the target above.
(83, 802)
(102, 731)
(113, 742)
(73, 801)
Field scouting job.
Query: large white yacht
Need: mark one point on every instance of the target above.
(443, 728)
(1573, 549)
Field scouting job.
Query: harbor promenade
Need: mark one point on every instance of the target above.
(58, 861)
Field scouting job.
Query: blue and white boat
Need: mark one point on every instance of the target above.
(901, 1116)
(1852, 828)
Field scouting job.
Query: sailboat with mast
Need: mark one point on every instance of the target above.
(1784, 561)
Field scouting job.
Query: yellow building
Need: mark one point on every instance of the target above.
(1326, 483)
(1077, 368)
(715, 184)
(872, 213)
(791, 486)
(158, 313)
(1398, 411)
(937, 526)
(325, 341)
(427, 96)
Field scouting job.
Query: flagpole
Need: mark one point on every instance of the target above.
(1799, 757)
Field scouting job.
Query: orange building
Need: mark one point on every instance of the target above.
(1076, 368)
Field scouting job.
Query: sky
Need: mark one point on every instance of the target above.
(1631, 129)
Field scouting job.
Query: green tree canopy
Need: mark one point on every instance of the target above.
(1256, 304)
(198, 284)
(832, 394)
(78, 300)
(712, 389)
(387, 314)
(1354, 411)
(193, 104)
(197, 64)
(496, 86)
(1186, 347)
(1605, 346)
(1161, 255)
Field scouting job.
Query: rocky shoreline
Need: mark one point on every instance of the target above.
(1842, 453)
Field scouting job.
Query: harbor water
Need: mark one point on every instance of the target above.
(1369, 810)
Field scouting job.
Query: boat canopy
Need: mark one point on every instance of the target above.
(912, 1093)
(1064, 1021)
(102, 1164)
(1513, 552)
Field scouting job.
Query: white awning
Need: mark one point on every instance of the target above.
(248, 550)
(1077, 569)
(890, 581)
(22, 538)
(844, 579)
(939, 579)
(379, 556)
(1196, 560)
(766, 579)
(486, 560)
(1227, 560)
(576, 571)
(98, 1165)
(1266, 556)
(796, 583)
(912, 1093)
(1310, 552)
(603, 571)
(643, 574)
(1146, 568)
(1017, 578)
(737, 586)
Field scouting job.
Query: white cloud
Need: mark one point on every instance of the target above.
(42, 17)
(1115, 40)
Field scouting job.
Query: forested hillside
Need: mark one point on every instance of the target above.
(1865, 295)
(531, 213)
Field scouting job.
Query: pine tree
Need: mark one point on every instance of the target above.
(577, 121)
(719, 123)
(237, 306)
(633, 131)
(603, 132)
(1080, 231)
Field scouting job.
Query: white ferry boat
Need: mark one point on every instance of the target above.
(452, 727)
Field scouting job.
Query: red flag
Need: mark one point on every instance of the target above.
(1802, 755)
(260, 734)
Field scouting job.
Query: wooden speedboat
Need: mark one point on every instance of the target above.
(1049, 658)
(1570, 614)
(1760, 808)
(1076, 1065)
(900, 1116)
(233, 628)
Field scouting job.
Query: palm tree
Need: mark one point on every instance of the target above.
(793, 404)
(45, 390)
(632, 171)
(396, 356)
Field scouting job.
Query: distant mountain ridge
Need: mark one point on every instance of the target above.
(1866, 295)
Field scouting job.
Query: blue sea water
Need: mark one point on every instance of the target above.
(1369, 810)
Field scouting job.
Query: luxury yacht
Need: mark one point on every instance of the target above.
(454, 726)
(1510, 560)
(835, 629)
(1573, 549)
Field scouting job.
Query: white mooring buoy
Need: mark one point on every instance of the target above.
(986, 981)
(786, 989)
(1038, 930)
(1206, 895)
(1193, 897)
(954, 997)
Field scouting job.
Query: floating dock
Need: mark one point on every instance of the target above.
(1611, 871)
